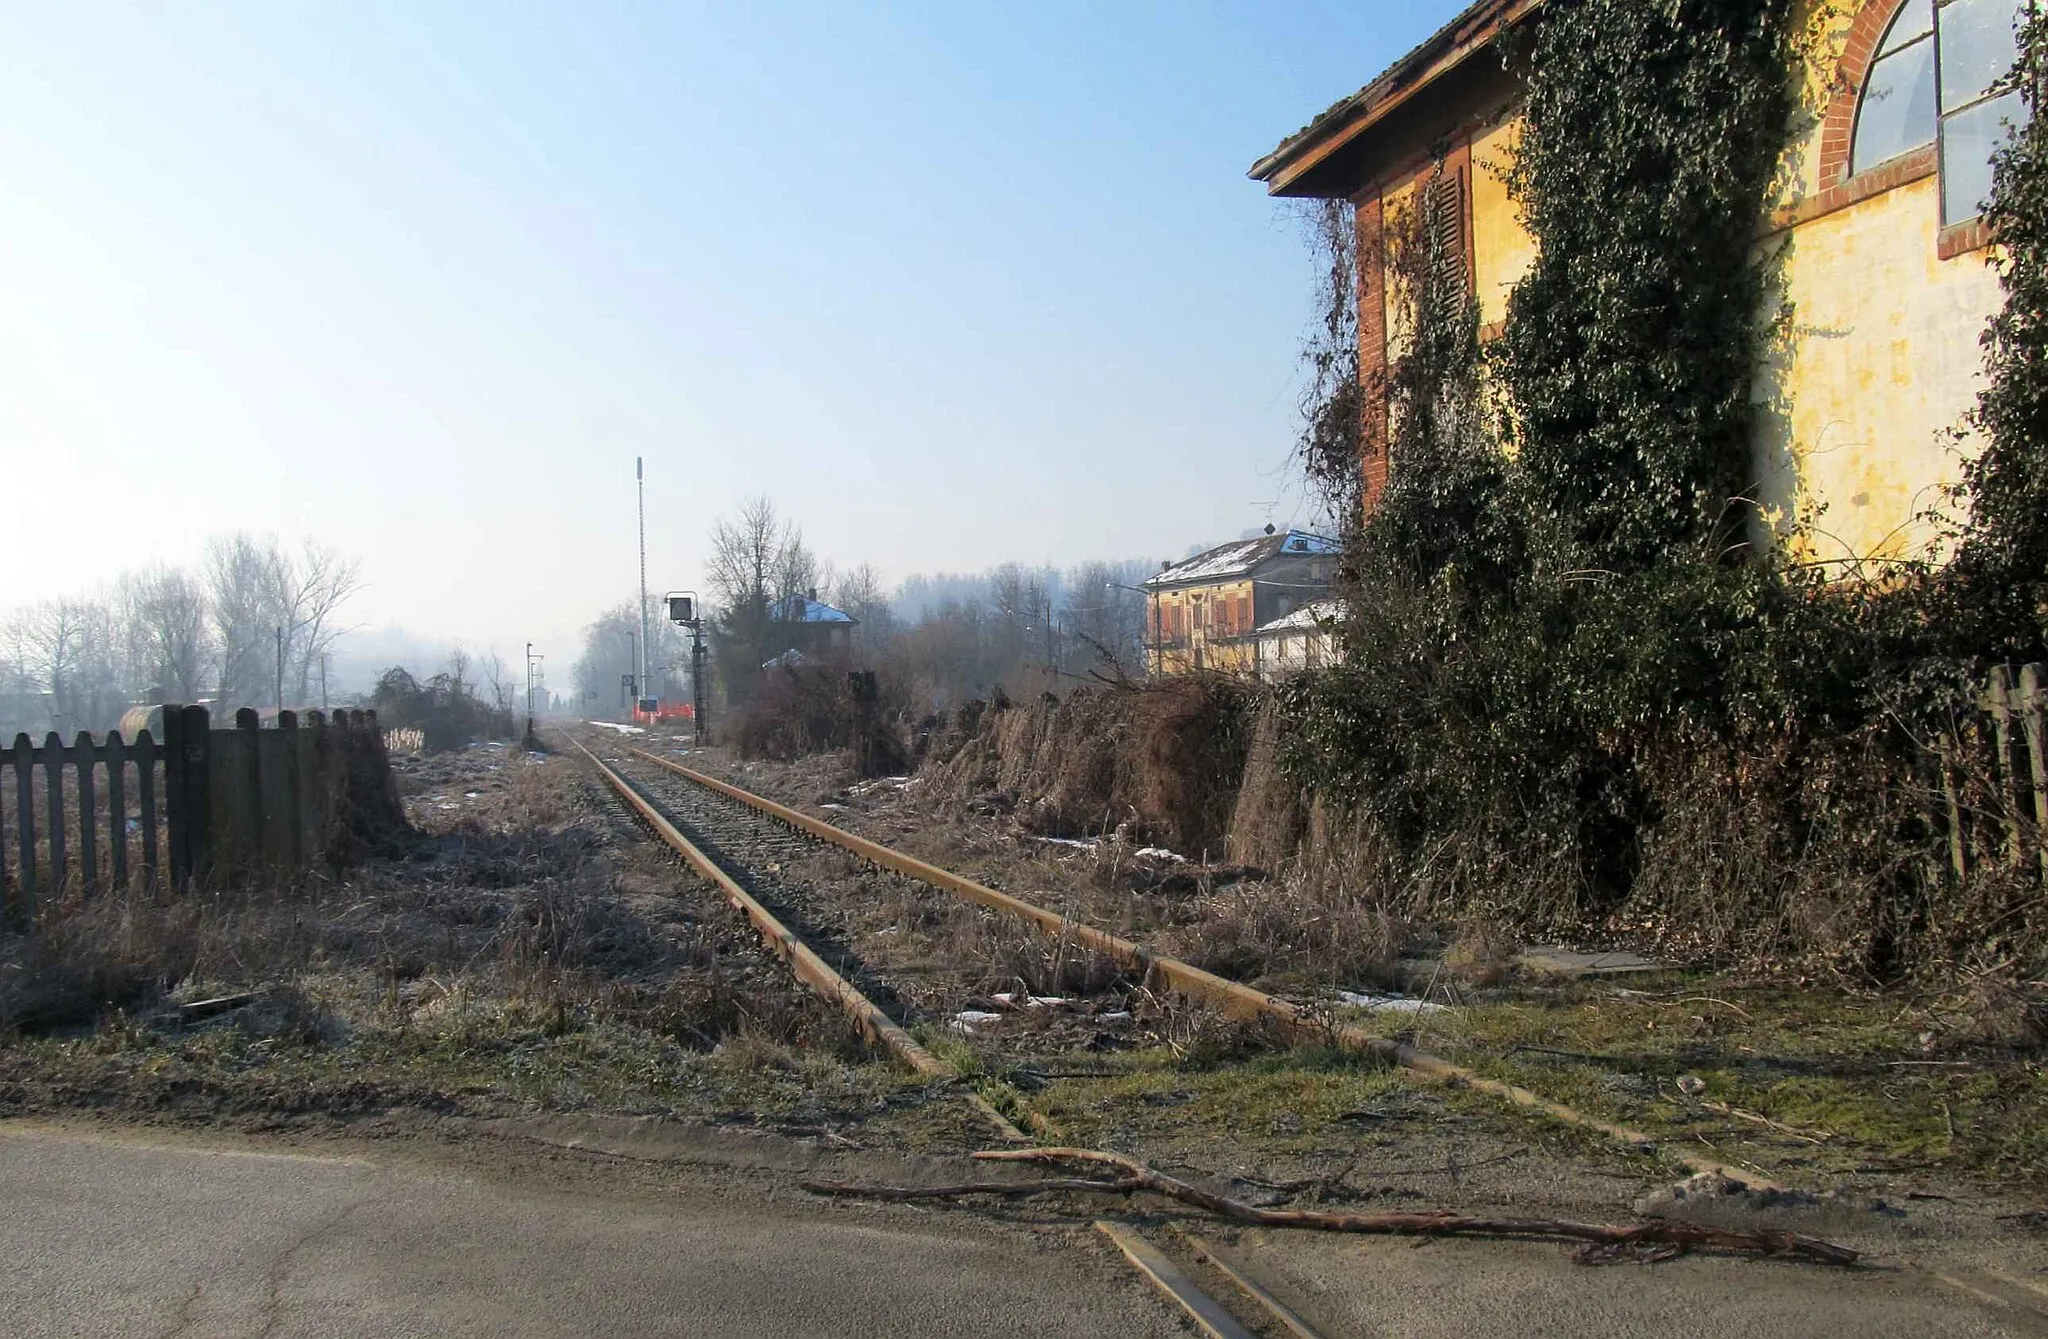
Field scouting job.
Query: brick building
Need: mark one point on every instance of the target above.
(1877, 234)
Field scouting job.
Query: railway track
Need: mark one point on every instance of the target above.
(924, 959)
(766, 869)
(1142, 971)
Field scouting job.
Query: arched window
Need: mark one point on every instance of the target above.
(1931, 79)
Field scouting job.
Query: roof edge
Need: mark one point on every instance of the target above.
(1446, 49)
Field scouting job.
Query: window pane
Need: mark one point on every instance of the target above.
(1968, 140)
(1977, 48)
(1915, 20)
(1897, 112)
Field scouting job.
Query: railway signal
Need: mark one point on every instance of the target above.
(683, 612)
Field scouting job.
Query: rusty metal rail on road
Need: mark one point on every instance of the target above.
(1233, 999)
(812, 970)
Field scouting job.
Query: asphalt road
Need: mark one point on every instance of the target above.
(114, 1237)
(121, 1234)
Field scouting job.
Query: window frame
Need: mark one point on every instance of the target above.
(1854, 169)
(1944, 114)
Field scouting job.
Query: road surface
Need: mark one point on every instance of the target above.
(117, 1237)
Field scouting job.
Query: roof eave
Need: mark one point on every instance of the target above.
(1284, 169)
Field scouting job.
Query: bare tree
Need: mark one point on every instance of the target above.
(69, 651)
(169, 633)
(491, 669)
(238, 580)
(860, 592)
(274, 613)
(756, 559)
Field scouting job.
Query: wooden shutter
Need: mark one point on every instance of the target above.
(1451, 284)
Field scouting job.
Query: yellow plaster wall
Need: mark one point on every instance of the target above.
(1219, 650)
(1863, 395)
(1502, 247)
(1395, 204)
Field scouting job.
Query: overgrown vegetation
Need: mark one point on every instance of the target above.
(1573, 697)
(447, 708)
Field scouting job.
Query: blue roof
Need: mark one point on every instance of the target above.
(801, 609)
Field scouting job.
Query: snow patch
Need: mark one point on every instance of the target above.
(1389, 1004)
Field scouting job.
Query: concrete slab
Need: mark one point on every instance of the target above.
(1561, 961)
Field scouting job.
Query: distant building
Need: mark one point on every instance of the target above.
(1206, 611)
(806, 628)
(1303, 640)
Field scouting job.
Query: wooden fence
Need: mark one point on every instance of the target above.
(222, 805)
(1999, 814)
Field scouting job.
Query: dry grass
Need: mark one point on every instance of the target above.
(1294, 931)
(511, 953)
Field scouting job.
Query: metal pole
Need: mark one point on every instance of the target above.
(640, 485)
(529, 692)
(697, 681)
(280, 667)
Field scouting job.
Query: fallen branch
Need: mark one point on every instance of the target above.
(1758, 1118)
(1125, 1185)
(1436, 1223)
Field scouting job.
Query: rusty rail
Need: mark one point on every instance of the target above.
(1183, 978)
(812, 970)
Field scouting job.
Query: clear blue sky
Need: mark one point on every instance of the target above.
(953, 283)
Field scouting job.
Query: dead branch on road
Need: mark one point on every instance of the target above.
(1134, 1176)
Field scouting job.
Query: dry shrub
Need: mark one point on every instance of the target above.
(1193, 735)
(1012, 955)
(1270, 819)
(802, 710)
(1294, 928)
(1481, 953)
(1167, 758)
(1202, 1036)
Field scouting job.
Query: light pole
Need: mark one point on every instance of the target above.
(1158, 650)
(529, 693)
(640, 485)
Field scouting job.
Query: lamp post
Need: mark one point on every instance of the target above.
(532, 663)
(1158, 650)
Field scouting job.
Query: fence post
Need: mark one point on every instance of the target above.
(25, 822)
(2033, 705)
(292, 824)
(177, 802)
(194, 767)
(1999, 698)
(145, 752)
(53, 796)
(84, 757)
(1958, 851)
(116, 755)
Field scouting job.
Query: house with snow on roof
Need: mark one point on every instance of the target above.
(1205, 611)
(803, 627)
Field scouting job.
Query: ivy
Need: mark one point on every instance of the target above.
(1651, 136)
(1997, 587)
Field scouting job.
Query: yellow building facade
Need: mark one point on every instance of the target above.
(1206, 611)
(1875, 241)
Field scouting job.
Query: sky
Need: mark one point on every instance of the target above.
(952, 283)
